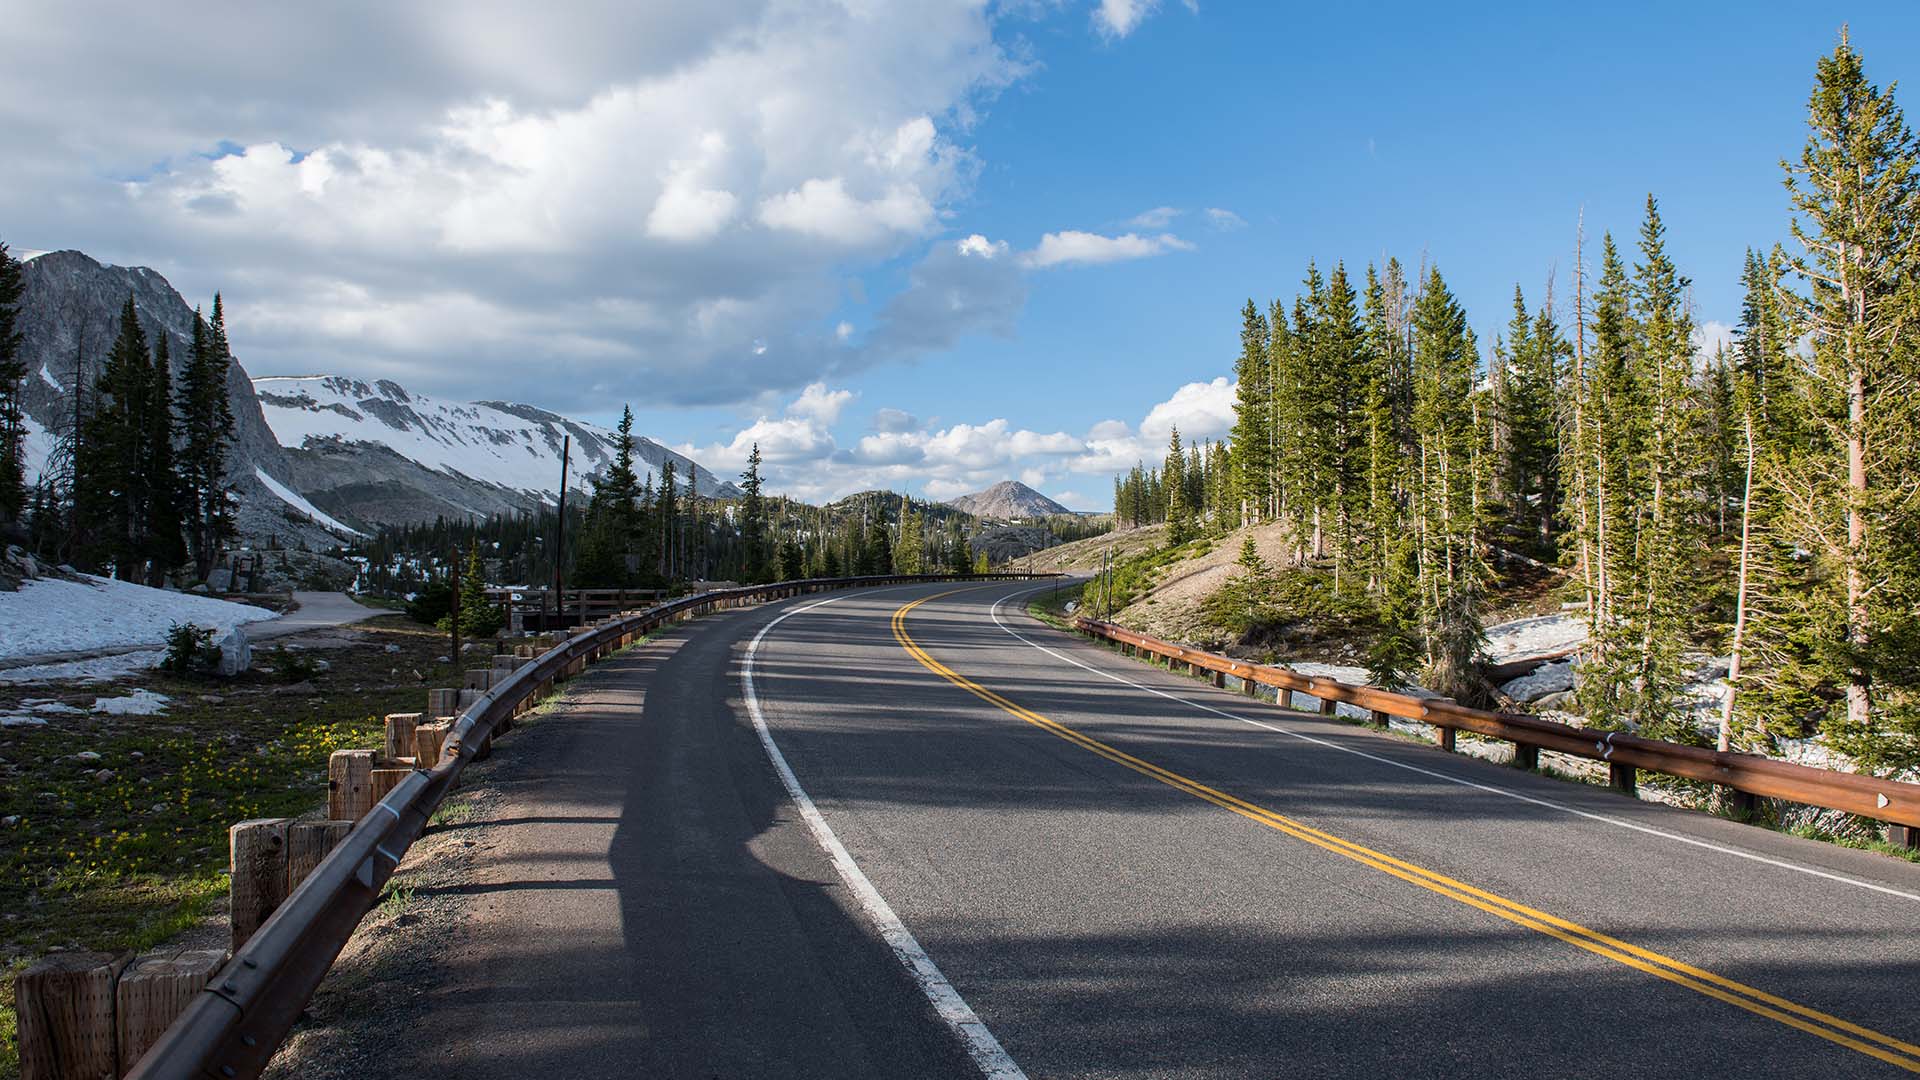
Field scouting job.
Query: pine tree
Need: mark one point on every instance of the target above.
(1344, 368)
(1452, 568)
(1179, 513)
(1246, 601)
(1526, 411)
(13, 373)
(162, 544)
(206, 435)
(1668, 525)
(753, 521)
(1856, 194)
(111, 476)
(908, 554)
(1252, 416)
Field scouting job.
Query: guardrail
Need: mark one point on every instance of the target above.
(233, 1027)
(1891, 801)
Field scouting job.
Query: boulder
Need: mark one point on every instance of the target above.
(236, 652)
(1546, 679)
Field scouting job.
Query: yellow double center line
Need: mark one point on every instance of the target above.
(1754, 1000)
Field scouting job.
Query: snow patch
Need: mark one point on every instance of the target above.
(138, 703)
(1531, 637)
(293, 498)
(54, 615)
(98, 669)
(46, 376)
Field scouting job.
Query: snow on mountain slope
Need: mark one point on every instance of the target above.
(294, 499)
(497, 445)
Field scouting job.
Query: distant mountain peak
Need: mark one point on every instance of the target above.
(1008, 500)
(383, 454)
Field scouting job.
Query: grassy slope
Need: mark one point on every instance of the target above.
(126, 862)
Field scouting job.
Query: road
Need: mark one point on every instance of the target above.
(1117, 872)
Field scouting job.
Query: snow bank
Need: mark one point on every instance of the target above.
(98, 669)
(1531, 637)
(294, 499)
(53, 615)
(138, 703)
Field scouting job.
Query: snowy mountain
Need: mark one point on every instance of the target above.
(1008, 500)
(69, 315)
(377, 453)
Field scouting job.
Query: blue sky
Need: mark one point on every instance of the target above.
(717, 213)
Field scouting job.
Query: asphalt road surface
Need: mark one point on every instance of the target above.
(1114, 871)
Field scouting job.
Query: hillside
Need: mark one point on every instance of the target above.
(379, 454)
(314, 459)
(69, 314)
(1008, 500)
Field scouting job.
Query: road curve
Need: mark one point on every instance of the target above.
(1125, 883)
(1121, 873)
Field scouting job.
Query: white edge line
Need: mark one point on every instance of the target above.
(992, 1059)
(1490, 789)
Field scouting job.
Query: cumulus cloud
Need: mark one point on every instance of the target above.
(665, 197)
(1711, 335)
(1072, 247)
(1118, 18)
(820, 405)
(804, 458)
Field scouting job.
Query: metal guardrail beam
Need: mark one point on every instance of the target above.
(1886, 800)
(233, 1027)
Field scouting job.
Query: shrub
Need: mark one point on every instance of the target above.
(431, 604)
(190, 650)
(292, 666)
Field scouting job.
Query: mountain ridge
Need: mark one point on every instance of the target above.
(1008, 500)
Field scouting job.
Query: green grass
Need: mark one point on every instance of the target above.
(1050, 607)
(127, 862)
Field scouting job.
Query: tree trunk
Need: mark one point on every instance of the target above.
(1725, 741)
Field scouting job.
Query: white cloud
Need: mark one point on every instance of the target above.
(1156, 219)
(1118, 18)
(804, 459)
(1201, 410)
(1074, 247)
(639, 195)
(1711, 335)
(824, 209)
(1224, 220)
(889, 419)
(980, 246)
(819, 404)
(843, 331)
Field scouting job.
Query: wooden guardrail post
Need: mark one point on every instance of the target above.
(1624, 778)
(65, 1008)
(1526, 757)
(443, 702)
(426, 743)
(308, 842)
(1906, 836)
(1219, 680)
(152, 991)
(399, 734)
(1444, 737)
(349, 784)
(1328, 706)
(257, 880)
